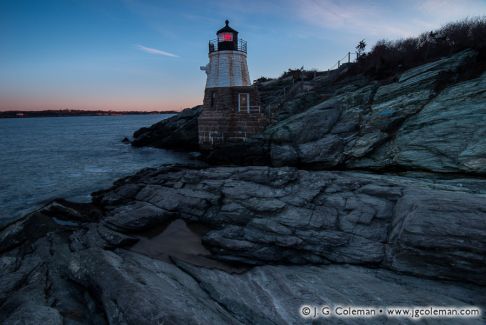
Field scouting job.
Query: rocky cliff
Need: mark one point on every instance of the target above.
(430, 118)
(178, 132)
(373, 194)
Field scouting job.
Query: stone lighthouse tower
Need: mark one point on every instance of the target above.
(231, 109)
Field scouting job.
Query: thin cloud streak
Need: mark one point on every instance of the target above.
(380, 19)
(156, 51)
(353, 16)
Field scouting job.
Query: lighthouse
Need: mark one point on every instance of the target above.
(231, 107)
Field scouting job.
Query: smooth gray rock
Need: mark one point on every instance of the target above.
(138, 290)
(447, 135)
(434, 235)
(274, 294)
(261, 215)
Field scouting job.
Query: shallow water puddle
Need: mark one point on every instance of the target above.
(182, 241)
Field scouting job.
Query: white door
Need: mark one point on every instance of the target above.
(244, 102)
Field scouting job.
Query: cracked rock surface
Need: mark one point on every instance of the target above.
(274, 239)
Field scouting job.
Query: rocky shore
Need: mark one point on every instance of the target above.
(273, 239)
(176, 132)
(361, 192)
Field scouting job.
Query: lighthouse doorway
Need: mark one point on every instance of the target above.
(244, 102)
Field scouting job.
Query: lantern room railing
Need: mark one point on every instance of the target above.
(240, 45)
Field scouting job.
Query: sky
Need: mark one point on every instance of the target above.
(146, 54)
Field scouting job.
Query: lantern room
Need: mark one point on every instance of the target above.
(227, 40)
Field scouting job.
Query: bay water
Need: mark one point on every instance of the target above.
(69, 157)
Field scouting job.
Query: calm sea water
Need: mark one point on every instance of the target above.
(70, 157)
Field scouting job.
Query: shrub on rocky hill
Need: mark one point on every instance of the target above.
(389, 57)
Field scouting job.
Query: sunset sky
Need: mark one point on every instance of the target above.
(146, 54)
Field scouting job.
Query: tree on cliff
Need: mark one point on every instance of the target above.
(360, 48)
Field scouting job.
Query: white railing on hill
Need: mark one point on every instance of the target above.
(350, 57)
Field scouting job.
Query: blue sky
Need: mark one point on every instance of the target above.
(145, 54)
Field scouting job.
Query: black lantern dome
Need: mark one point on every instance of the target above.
(227, 40)
(226, 29)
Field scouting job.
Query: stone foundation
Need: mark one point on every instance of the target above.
(220, 121)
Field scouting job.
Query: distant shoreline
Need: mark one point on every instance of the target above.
(67, 113)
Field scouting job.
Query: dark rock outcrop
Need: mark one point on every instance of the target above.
(266, 215)
(430, 119)
(74, 264)
(178, 132)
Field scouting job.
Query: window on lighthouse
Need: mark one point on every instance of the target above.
(213, 96)
(225, 37)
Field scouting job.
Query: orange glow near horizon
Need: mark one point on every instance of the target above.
(146, 55)
(133, 104)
